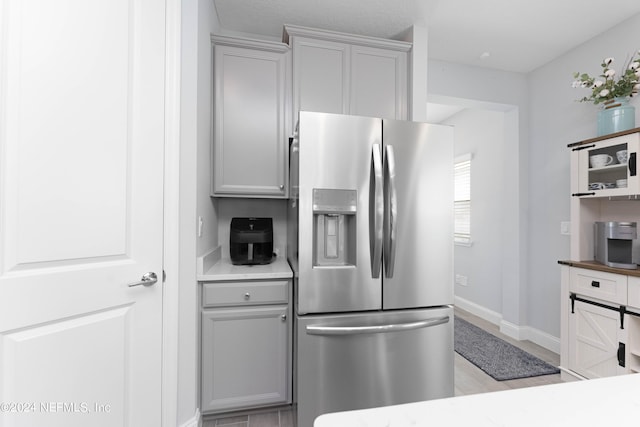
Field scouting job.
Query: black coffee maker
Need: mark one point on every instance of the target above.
(251, 241)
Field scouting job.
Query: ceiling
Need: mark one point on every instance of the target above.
(511, 35)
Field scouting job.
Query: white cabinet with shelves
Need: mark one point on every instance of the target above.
(246, 344)
(347, 74)
(250, 138)
(599, 336)
(614, 175)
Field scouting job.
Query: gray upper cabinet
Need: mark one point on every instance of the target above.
(348, 74)
(250, 141)
(321, 76)
(378, 83)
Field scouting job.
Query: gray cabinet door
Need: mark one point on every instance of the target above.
(320, 76)
(250, 147)
(378, 83)
(348, 74)
(246, 357)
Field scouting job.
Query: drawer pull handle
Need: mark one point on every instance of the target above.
(283, 317)
(595, 284)
(247, 296)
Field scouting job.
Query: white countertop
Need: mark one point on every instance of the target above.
(224, 270)
(602, 402)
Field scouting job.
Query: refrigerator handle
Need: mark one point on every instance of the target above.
(357, 330)
(376, 210)
(391, 213)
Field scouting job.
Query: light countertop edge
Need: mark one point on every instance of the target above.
(598, 402)
(224, 270)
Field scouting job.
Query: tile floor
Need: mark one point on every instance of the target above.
(277, 418)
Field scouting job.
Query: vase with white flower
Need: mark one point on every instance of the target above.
(612, 93)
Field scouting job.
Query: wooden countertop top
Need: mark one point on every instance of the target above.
(594, 265)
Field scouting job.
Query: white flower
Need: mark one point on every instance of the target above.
(603, 93)
(634, 65)
(598, 83)
(610, 73)
(608, 61)
(575, 83)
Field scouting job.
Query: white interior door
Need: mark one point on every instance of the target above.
(81, 173)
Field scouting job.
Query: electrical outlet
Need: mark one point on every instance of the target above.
(461, 280)
(565, 228)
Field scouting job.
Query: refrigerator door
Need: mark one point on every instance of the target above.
(340, 213)
(356, 361)
(418, 225)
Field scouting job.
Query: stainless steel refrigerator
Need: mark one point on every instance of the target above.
(371, 244)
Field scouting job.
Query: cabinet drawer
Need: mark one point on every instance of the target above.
(634, 292)
(599, 284)
(244, 293)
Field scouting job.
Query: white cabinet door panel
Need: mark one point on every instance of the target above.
(81, 175)
(594, 338)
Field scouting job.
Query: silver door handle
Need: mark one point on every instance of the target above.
(391, 214)
(376, 211)
(356, 330)
(147, 279)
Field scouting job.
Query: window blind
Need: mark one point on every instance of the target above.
(462, 200)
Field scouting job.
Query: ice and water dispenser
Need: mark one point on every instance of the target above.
(334, 227)
(614, 244)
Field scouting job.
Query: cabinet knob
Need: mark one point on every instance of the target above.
(247, 296)
(284, 317)
(281, 186)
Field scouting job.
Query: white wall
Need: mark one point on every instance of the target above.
(198, 22)
(555, 121)
(548, 118)
(507, 92)
(481, 133)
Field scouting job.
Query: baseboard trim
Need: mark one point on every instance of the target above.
(512, 330)
(196, 421)
(478, 310)
(534, 335)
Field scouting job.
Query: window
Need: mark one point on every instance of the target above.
(462, 200)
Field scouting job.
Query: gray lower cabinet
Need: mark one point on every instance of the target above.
(246, 345)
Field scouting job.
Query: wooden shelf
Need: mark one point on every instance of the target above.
(594, 265)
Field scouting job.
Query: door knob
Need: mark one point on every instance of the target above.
(147, 279)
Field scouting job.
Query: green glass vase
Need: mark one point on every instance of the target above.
(615, 116)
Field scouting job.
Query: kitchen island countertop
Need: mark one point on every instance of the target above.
(599, 402)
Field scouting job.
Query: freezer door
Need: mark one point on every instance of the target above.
(418, 225)
(358, 361)
(340, 213)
